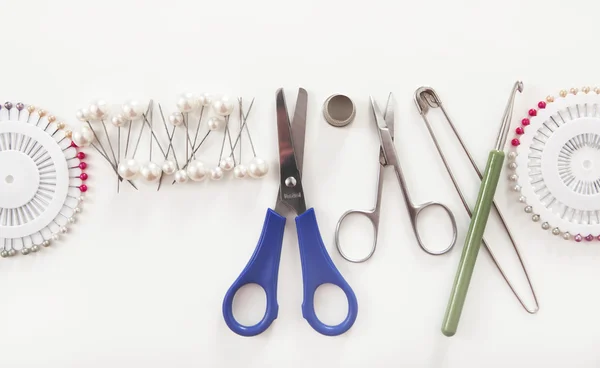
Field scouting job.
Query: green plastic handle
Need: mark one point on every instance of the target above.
(479, 219)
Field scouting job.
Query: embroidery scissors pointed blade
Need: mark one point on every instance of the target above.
(386, 133)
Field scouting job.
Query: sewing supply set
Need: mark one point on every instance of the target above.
(553, 169)
(135, 124)
(317, 266)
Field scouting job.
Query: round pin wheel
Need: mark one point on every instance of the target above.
(42, 179)
(555, 164)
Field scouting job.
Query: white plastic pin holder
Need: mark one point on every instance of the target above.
(41, 179)
(555, 164)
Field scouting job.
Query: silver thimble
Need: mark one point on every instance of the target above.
(339, 110)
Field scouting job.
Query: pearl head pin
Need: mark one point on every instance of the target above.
(181, 176)
(129, 169)
(98, 110)
(197, 171)
(169, 167)
(205, 99)
(176, 119)
(227, 163)
(223, 106)
(119, 120)
(216, 173)
(133, 110)
(187, 102)
(258, 168)
(150, 171)
(215, 122)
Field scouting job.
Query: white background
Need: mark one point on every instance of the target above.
(140, 280)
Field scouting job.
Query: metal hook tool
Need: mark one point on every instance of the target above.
(426, 98)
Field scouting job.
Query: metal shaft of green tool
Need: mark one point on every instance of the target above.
(473, 241)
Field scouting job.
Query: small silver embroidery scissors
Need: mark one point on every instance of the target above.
(389, 157)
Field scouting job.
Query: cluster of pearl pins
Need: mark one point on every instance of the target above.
(197, 170)
(129, 168)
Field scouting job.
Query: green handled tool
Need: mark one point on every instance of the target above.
(479, 220)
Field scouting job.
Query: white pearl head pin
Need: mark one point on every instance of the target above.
(119, 120)
(176, 119)
(83, 138)
(88, 132)
(99, 110)
(227, 163)
(181, 176)
(187, 102)
(223, 106)
(197, 171)
(240, 171)
(169, 167)
(205, 99)
(150, 171)
(133, 110)
(216, 173)
(258, 168)
(215, 122)
(83, 114)
(129, 169)
(80, 139)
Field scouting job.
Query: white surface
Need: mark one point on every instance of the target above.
(128, 288)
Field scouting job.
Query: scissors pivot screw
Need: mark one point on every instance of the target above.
(290, 182)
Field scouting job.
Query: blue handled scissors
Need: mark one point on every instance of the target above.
(317, 266)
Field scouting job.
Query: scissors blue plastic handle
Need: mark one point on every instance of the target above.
(317, 266)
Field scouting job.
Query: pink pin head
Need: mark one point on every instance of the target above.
(83, 176)
(82, 165)
(83, 188)
(519, 130)
(542, 104)
(525, 121)
(515, 142)
(80, 155)
(532, 112)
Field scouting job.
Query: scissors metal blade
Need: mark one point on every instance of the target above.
(388, 116)
(290, 183)
(387, 151)
(299, 127)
